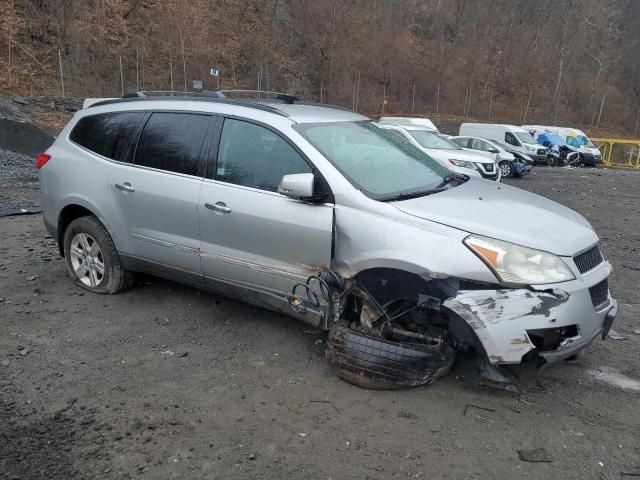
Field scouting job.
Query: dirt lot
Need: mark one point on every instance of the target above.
(164, 381)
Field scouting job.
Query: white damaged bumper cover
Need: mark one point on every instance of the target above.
(557, 321)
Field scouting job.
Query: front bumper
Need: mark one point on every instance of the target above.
(511, 323)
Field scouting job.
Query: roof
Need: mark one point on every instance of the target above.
(299, 112)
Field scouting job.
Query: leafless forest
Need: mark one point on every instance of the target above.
(535, 60)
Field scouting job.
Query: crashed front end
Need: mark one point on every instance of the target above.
(553, 322)
(403, 330)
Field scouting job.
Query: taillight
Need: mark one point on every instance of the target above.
(42, 159)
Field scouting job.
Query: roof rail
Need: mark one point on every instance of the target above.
(172, 93)
(228, 101)
(285, 97)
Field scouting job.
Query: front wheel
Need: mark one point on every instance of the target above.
(506, 169)
(92, 258)
(551, 161)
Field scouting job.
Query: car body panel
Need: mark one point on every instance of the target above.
(465, 208)
(266, 240)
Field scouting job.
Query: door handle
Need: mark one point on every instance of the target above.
(218, 207)
(125, 187)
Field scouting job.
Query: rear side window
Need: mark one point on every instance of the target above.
(109, 134)
(173, 142)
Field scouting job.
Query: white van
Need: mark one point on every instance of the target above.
(574, 138)
(415, 121)
(518, 137)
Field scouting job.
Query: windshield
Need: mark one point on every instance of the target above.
(433, 140)
(380, 163)
(525, 137)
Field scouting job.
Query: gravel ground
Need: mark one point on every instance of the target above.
(164, 381)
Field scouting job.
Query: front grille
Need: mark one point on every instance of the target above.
(542, 151)
(600, 293)
(588, 260)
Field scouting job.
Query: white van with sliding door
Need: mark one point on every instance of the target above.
(518, 137)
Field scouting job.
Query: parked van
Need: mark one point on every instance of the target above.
(518, 137)
(574, 138)
(414, 121)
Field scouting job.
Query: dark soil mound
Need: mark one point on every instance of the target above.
(23, 137)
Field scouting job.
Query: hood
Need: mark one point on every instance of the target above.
(506, 213)
(474, 157)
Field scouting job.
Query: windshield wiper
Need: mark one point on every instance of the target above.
(441, 187)
(451, 178)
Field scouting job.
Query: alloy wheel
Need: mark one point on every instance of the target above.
(87, 260)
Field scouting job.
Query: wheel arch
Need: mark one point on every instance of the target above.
(74, 209)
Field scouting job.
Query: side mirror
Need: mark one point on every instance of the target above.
(297, 185)
(493, 150)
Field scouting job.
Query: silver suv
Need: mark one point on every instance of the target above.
(315, 211)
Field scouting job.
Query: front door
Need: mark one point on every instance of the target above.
(253, 238)
(155, 199)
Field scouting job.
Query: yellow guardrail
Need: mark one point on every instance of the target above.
(619, 152)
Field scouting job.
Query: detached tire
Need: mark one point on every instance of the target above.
(92, 259)
(376, 363)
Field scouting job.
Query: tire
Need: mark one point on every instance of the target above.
(89, 249)
(379, 364)
(506, 169)
(551, 161)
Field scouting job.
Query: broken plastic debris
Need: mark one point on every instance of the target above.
(534, 455)
(613, 335)
(167, 352)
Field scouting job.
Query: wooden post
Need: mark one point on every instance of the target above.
(413, 98)
(171, 69)
(121, 78)
(184, 64)
(61, 75)
(601, 107)
(490, 104)
(358, 92)
(526, 110)
(137, 69)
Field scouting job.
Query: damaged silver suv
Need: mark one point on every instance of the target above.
(315, 211)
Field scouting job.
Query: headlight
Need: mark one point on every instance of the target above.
(530, 148)
(463, 164)
(519, 265)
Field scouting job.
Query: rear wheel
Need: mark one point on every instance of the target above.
(92, 258)
(506, 169)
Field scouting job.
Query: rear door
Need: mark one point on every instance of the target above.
(251, 236)
(155, 198)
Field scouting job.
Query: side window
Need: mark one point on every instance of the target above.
(173, 142)
(108, 134)
(254, 156)
(479, 144)
(511, 139)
